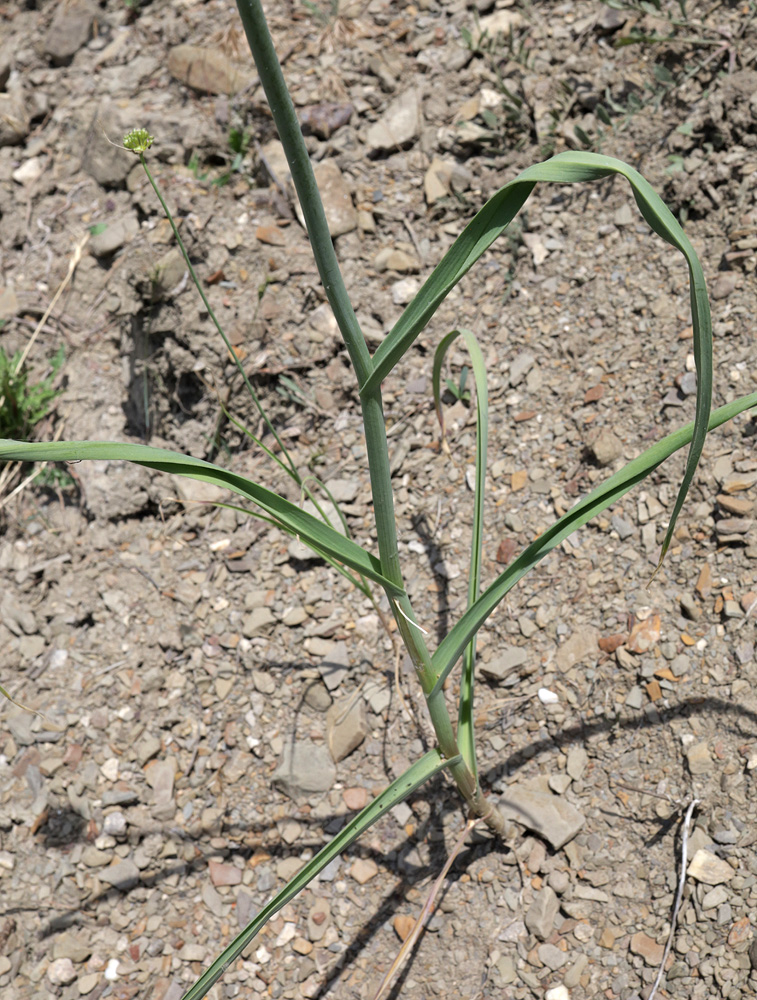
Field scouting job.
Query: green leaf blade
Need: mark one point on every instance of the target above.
(607, 493)
(419, 772)
(322, 538)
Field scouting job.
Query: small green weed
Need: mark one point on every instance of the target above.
(23, 403)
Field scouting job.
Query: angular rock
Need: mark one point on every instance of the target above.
(123, 875)
(581, 647)
(540, 916)
(698, 758)
(322, 120)
(606, 447)
(304, 768)
(534, 806)
(509, 659)
(209, 71)
(708, 868)
(399, 125)
(70, 29)
(337, 198)
(346, 727)
(114, 236)
(642, 944)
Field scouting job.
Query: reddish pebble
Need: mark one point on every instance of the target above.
(355, 798)
(740, 932)
(506, 550)
(221, 874)
(271, 235)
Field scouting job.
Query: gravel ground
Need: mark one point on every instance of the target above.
(216, 702)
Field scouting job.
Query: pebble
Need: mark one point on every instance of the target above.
(698, 759)
(61, 972)
(581, 647)
(304, 768)
(509, 659)
(346, 727)
(123, 875)
(551, 956)
(647, 947)
(222, 874)
(540, 916)
(706, 867)
(606, 447)
(207, 70)
(399, 124)
(532, 805)
(559, 992)
(114, 824)
(363, 870)
(87, 983)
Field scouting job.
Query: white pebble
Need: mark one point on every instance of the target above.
(547, 697)
(557, 993)
(111, 972)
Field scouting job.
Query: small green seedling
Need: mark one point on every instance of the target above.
(23, 403)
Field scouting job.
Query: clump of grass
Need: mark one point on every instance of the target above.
(456, 749)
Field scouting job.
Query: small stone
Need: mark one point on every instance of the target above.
(363, 870)
(648, 948)
(221, 874)
(337, 199)
(61, 972)
(71, 946)
(551, 956)
(87, 983)
(209, 71)
(114, 824)
(532, 805)
(70, 29)
(577, 761)
(740, 932)
(110, 769)
(123, 875)
(520, 367)
(346, 727)
(509, 659)
(355, 798)
(706, 867)
(398, 126)
(540, 916)
(303, 768)
(606, 447)
(319, 918)
(724, 284)
(404, 290)
(698, 759)
(403, 926)
(559, 992)
(714, 898)
(644, 635)
(115, 235)
(581, 647)
(322, 120)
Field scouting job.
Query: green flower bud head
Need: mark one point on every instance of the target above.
(138, 140)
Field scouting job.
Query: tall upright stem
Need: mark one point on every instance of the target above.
(282, 109)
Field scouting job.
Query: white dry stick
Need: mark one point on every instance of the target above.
(428, 906)
(679, 895)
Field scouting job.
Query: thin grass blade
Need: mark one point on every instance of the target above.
(320, 537)
(466, 737)
(603, 496)
(423, 769)
(497, 214)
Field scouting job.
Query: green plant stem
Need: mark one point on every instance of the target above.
(292, 467)
(282, 109)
